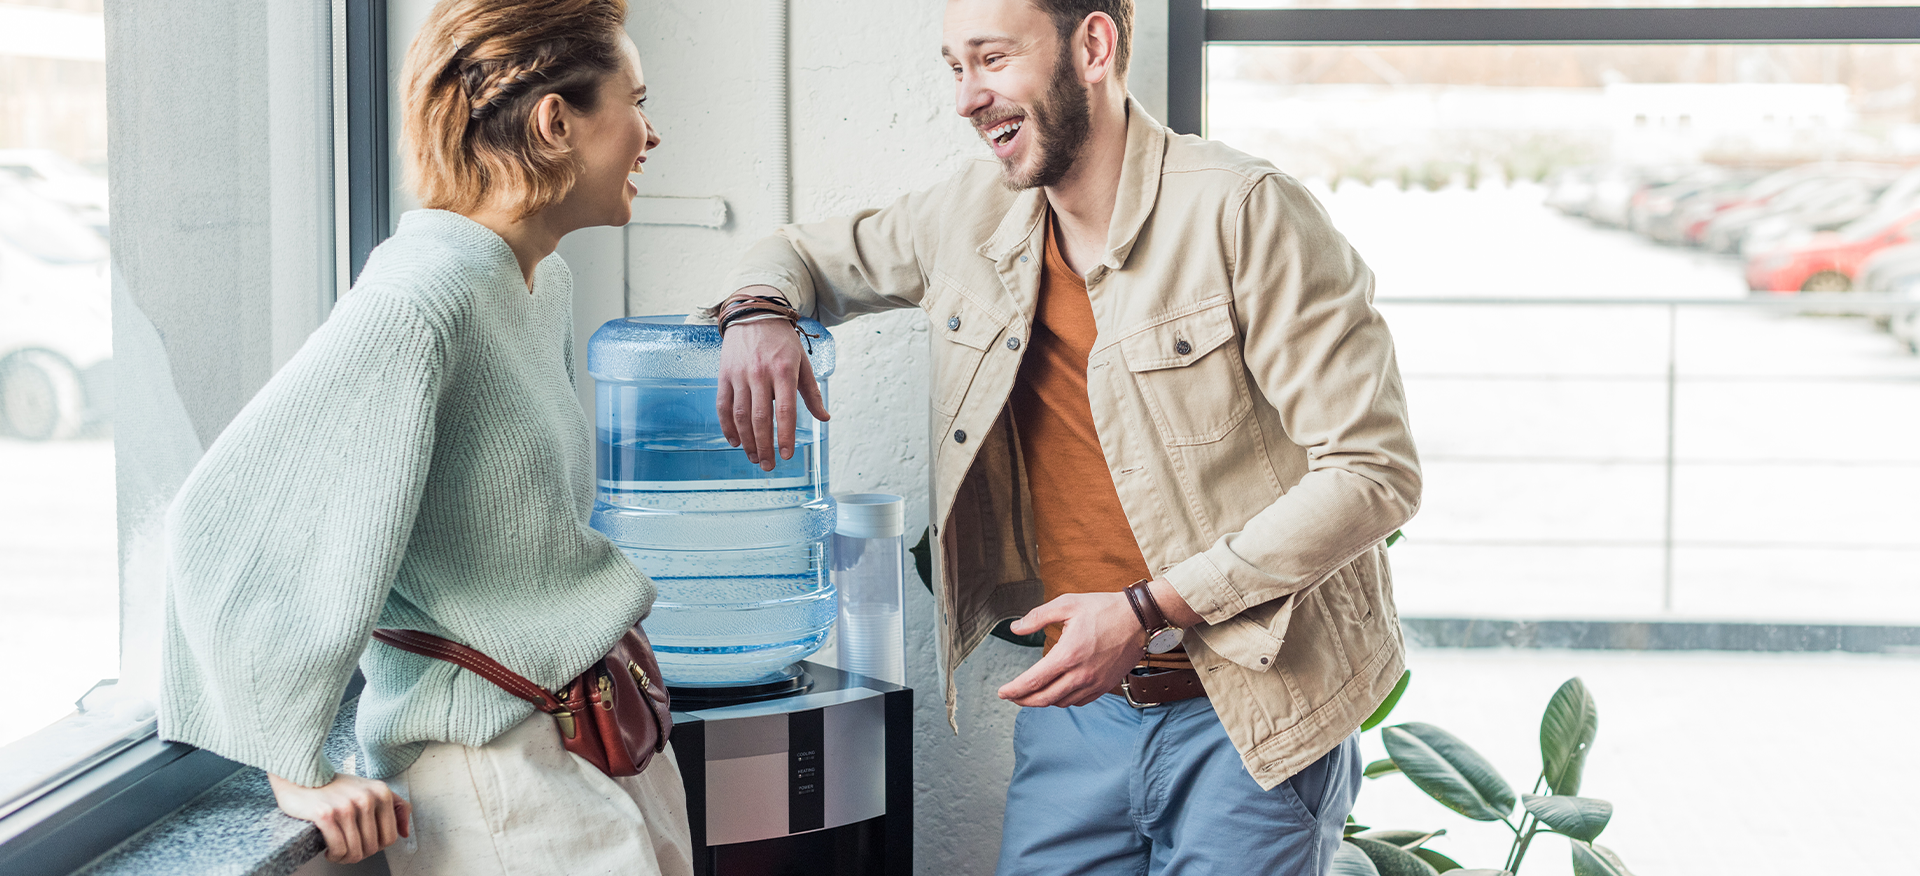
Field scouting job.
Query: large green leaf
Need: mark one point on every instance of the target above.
(1391, 860)
(1449, 770)
(1350, 861)
(1405, 839)
(1353, 827)
(1386, 705)
(1382, 767)
(1592, 860)
(1566, 734)
(1481, 873)
(1438, 861)
(1582, 818)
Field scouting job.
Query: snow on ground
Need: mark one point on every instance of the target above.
(59, 579)
(1543, 428)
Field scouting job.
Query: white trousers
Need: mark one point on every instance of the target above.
(522, 804)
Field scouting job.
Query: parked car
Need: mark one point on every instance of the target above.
(52, 176)
(1830, 261)
(1905, 326)
(1829, 196)
(55, 330)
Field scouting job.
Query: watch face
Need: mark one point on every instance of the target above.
(1165, 639)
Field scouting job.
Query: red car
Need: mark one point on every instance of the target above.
(1832, 259)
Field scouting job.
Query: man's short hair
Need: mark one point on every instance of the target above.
(1067, 15)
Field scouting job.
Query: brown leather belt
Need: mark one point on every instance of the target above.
(1159, 687)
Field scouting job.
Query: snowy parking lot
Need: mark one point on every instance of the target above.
(1543, 428)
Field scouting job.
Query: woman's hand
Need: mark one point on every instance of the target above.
(764, 377)
(356, 816)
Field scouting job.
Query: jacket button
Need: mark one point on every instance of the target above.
(1182, 347)
(1013, 343)
(959, 436)
(953, 323)
(1023, 260)
(1263, 661)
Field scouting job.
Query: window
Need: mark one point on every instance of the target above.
(232, 146)
(1647, 271)
(59, 594)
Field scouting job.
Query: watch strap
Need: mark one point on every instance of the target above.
(1153, 605)
(1152, 619)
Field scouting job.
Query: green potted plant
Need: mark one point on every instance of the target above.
(1462, 780)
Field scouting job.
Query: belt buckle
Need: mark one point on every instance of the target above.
(1126, 689)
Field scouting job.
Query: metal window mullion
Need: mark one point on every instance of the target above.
(1840, 24)
(368, 188)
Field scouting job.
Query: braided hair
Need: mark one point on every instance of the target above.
(474, 76)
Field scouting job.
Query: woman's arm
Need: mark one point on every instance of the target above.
(284, 543)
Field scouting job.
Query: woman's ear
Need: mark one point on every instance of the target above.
(551, 121)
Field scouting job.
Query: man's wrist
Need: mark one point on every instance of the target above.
(1173, 605)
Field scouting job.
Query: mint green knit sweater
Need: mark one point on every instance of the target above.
(421, 463)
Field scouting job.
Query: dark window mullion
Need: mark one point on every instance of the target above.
(1849, 24)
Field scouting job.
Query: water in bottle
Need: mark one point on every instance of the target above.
(737, 555)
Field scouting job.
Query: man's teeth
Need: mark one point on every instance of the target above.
(1004, 132)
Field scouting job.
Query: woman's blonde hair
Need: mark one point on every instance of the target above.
(473, 77)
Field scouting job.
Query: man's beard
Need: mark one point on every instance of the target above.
(1064, 119)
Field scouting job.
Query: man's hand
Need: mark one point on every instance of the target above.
(764, 373)
(1100, 640)
(356, 816)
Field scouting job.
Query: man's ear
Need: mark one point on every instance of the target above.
(1098, 42)
(551, 121)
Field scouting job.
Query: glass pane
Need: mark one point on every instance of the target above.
(1594, 454)
(59, 562)
(1652, 461)
(59, 597)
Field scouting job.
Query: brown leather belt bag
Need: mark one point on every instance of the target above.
(615, 715)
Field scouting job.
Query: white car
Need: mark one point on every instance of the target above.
(56, 332)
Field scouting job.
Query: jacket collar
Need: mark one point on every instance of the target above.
(1139, 188)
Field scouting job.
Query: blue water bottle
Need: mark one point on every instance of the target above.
(738, 555)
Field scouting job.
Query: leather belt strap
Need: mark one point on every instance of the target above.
(1159, 688)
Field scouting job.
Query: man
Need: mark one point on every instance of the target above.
(1154, 361)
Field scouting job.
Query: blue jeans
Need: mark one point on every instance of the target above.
(1109, 789)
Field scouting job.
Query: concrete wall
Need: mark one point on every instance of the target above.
(873, 118)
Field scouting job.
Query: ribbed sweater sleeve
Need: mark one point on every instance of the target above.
(286, 538)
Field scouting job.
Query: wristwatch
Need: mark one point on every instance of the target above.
(1162, 635)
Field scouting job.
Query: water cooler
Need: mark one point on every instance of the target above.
(792, 768)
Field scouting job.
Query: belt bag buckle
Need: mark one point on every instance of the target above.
(1126, 689)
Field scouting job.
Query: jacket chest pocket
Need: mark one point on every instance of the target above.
(963, 332)
(1189, 371)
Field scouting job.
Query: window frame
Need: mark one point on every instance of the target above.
(1192, 27)
(74, 819)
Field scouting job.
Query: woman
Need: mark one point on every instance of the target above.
(422, 464)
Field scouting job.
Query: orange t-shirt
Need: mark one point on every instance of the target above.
(1086, 544)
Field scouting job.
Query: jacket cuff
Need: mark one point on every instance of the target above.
(1207, 592)
(755, 276)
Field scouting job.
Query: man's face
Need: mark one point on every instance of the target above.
(1017, 84)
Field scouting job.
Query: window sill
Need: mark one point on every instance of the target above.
(233, 828)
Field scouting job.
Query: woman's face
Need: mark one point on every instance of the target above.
(610, 143)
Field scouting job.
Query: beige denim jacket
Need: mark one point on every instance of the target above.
(1245, 395)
